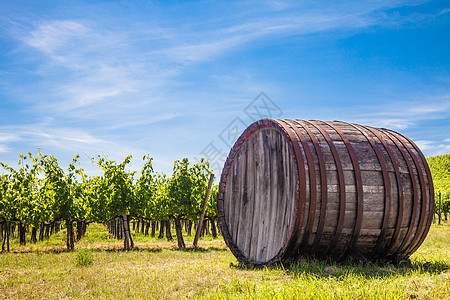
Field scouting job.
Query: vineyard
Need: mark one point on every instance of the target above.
(40, 197)
(45, 210)
(440, 168)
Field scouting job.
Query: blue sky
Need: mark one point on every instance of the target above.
(169, 78)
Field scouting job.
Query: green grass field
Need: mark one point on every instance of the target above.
(156, 269)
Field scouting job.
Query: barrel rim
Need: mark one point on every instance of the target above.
(252, 129)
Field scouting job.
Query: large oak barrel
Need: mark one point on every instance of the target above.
(293, 188)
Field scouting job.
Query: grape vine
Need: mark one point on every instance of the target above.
(40, 195)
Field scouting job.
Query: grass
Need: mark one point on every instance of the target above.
(156, 269)
(84, 258)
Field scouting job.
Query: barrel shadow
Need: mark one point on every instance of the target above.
(367, 269)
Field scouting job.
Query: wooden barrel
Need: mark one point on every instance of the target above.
(293, 188)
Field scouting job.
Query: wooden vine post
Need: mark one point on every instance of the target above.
(202, 216)
(6, 237)
(126, 229)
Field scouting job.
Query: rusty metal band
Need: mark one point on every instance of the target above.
(298, 222)
(431, 190)
(359, 190)
(223, 226)
(399, 189)
(415, 203)
(323, 184)
(341, 182)
(387, 188)
(423, 190)
(422, 215)
(312, 182)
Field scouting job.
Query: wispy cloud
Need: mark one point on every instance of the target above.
(94, 70)
(444, 11)
(47, 135)
(6, 137)
(54, 37)
(218, 39)
(4, 149)
(145, 121)
(101, 66)
(432, 148)
(397, 124)
(430, 106)
(101, 76)
(82, 45)
(402, 115)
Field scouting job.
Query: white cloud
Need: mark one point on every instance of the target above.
(4, 149)
(432, 148)
(425, 145)
(403, 115)
(146, 121)
(395, 124)
(6, 137)
(202, 51)
(406, 115)
(89, 60)
(53, 36)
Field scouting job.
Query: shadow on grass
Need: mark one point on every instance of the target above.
(64, 250)
(135, 249)
(199, 249)
(39, 252)
(367, 269)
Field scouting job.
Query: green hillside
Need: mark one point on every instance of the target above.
(440, 170)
